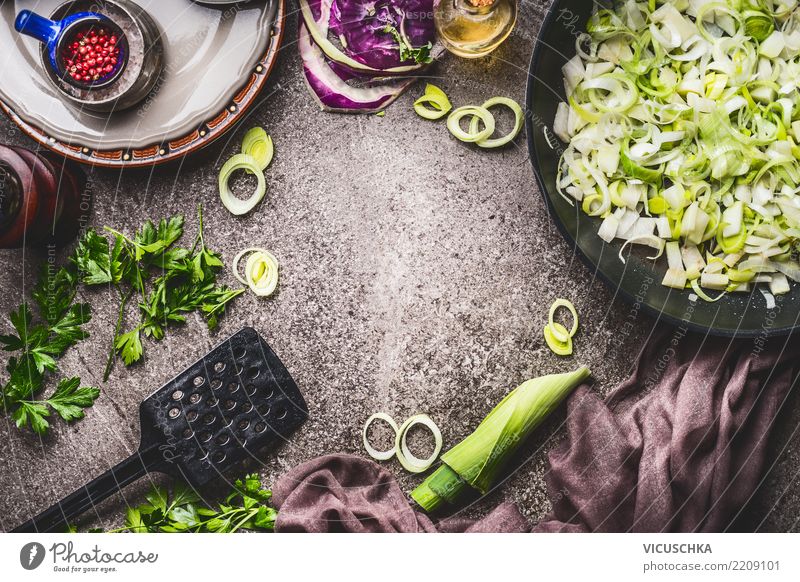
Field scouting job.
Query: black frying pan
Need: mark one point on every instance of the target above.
(638, 280)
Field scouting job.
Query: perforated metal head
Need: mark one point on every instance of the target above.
(233, 404)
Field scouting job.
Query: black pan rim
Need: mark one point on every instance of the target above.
(619, 290)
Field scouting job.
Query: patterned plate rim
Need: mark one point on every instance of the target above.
(174, 149)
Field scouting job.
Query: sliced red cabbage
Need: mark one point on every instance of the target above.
(361, 43)
(321, 11)
(331, 87)
(359, 25)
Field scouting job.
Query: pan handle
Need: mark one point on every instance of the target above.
(57, 517)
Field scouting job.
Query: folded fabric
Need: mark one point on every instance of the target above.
(680, 446)
(344, 493)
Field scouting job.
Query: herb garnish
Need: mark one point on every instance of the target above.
(245, 508)
(170, 281)
(38, 345)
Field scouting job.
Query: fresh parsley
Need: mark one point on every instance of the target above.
(37, 344)
(421, 55)
(169, 281)
(245, 508)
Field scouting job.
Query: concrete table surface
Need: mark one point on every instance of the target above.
(416, 273)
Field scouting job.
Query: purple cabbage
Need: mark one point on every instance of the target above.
(358, 27)
(338, 89)
(360, 24)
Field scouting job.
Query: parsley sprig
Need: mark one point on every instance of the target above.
(170, 281)
(245, 508)
(37, 344)
(421, 55)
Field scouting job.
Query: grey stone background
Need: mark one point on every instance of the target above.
(416, 276)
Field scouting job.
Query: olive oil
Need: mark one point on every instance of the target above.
(474, 28)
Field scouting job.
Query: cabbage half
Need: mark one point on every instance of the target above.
(353, 50)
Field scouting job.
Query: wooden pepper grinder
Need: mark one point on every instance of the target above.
(42, 198)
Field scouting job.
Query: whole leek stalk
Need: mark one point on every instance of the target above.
(477, 460)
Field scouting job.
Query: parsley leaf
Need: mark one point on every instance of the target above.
(421, 55)
(33, 414)
(24, 381)
(69, 399)
(37, 346)
(93, 259)
(130, 346)
(68, 330)
(245, 508)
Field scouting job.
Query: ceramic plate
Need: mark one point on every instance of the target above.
(217, 61)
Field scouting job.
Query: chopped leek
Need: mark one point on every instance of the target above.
(500, 141)
(260, 271)
(439, 103)
(407, 459)
(482, 114)
(478, 460)
(683, 122)
(372, 452)
(235, 205)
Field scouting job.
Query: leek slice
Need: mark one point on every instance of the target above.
(703, 295)
(407, 459)
(634, 170)
(552, 333)
(500, 141)
(562, 337)
(437, 98)
(235, 205)
(261, 271)
(482, 114)
(376, 454)
(258, 144)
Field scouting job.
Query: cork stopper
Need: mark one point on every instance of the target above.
(480, 3)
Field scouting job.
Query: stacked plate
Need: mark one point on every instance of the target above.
(217, 59)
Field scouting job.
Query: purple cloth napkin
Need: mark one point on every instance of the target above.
(680, 446)
(344, 493)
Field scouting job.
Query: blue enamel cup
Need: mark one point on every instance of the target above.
(55, 33)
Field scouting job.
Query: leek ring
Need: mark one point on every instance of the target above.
(557, 347)
(484, 115)
(235, 205)
(407, 459)
(261, 271)
(500, 141)
(258, 144)
(556, 330)
(375, 454)
(437, 98)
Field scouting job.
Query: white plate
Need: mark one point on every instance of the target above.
(209, 54)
